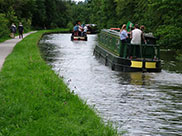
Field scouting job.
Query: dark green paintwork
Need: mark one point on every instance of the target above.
(110, 40)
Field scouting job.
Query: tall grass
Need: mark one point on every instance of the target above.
(34, 101)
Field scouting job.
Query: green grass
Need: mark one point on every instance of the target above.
(34, 101)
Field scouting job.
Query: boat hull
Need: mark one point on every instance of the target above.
(125, 64)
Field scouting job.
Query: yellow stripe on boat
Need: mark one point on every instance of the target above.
(136, 64)
(150, 65)
(79, 38)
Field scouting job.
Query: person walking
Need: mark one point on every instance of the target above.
(20, 30)
(13, 30)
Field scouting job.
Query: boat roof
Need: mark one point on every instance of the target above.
(111, 31)
(91, 25)
(114, 32)
(149, 35)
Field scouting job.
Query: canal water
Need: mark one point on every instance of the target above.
(141, 104)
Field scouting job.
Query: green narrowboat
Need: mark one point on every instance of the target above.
(128, 57)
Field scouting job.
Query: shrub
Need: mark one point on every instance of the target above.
(70, 26)
(169, 37)
(4, 30)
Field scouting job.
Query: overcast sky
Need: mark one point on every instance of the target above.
(78, 0)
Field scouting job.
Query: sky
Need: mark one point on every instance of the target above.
(78, 0)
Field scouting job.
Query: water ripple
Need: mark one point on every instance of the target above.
(143, 104)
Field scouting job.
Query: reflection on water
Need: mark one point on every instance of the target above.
(143, 104)
(169, 62)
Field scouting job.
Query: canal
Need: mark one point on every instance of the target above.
(142, 104)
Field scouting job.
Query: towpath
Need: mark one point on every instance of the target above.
(7, 47)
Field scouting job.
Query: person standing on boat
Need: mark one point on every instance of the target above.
(136, 35)
(136, 39)
(142, 28)
(123, 34)
(79, 29)
(85, 30)
(75, 30)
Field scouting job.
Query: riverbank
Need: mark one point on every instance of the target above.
(7, 47)
(36, 102)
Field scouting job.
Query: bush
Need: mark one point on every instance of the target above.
(11, 16)
(4, 30)
(26, 24)
(70, 26)
(169, 37)
(179, 55)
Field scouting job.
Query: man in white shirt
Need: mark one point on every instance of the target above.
(84, 30)
(136, 35)
(136, 38)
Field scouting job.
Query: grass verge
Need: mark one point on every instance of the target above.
(34, 101)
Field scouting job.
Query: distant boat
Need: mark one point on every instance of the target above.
(77, 37)
(127, 57)
(92, 29)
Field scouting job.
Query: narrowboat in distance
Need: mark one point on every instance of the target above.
(127, 57)
(92, 29)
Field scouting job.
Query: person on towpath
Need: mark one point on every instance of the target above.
(13, 30)
(20, 30)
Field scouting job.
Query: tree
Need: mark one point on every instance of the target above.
(4, 30)
(103, 13)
